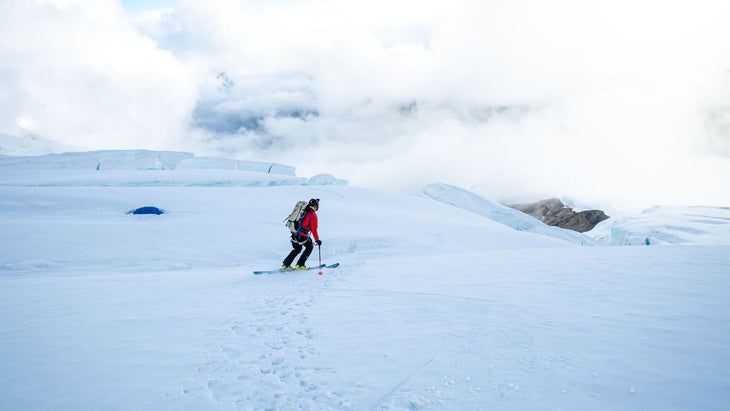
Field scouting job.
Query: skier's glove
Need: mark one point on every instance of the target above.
(319, 242)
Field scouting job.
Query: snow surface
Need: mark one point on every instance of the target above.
(518, 220)
(668, 225)
(454, 304)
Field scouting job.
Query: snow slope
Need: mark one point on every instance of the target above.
(662, 225)
(436, 306)
(518, 220)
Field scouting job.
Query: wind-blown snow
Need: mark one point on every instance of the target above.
(437, 304)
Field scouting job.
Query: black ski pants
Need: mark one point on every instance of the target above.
(308, 247)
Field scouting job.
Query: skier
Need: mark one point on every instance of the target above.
(302, 239)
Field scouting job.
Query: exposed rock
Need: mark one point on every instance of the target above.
(553, 212)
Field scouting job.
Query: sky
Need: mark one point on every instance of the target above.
(620, 104)
(146, 5)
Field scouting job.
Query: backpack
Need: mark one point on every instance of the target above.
(295, 218)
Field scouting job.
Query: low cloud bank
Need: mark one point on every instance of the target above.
(623, 104)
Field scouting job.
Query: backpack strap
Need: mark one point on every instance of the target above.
(301, 231)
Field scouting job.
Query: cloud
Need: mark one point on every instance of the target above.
(79, 72)
(624, 102)
(602, 102)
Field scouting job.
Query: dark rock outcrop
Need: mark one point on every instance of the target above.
(553, 212)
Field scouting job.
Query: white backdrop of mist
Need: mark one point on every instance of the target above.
(622, 103)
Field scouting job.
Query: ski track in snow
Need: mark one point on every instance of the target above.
(267, 357)
(448, 375)
(264, 358)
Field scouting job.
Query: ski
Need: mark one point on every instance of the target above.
(335, 265)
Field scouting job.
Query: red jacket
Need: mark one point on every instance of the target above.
(310, 222)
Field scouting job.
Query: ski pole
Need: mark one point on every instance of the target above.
(319, 249)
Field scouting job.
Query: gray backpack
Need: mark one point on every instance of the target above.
(295, 218)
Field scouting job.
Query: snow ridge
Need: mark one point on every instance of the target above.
(518, 220)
